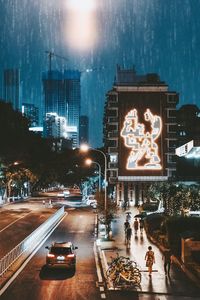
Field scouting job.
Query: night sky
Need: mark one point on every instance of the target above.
(161, 36)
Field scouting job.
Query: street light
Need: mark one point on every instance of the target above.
(85, 148)
(89, 162)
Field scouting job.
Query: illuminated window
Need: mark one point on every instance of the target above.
(113, 158)
(142, 143)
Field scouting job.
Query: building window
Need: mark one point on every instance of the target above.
(112, 143)
(112, 113)
(113, 174)
(171, 128)
(171, 99)
(113, 158)
(182, 133)
(171, 113)
(112, 127)
(171, 158)
(172, 143)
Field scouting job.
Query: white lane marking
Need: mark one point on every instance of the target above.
(4, 288)
(103, 296)
(14, 222)
(101, 288)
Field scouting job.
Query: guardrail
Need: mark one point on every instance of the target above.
(27, 246)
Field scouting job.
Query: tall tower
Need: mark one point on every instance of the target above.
(55, 94)
(73, 91)
(11, 87)
(62, 95)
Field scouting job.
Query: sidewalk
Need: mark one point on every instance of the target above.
(177, 283)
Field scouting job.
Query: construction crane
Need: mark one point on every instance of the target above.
(52, 54)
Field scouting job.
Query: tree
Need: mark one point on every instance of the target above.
(106, 216)
(14, 178)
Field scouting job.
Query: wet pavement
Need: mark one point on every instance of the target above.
(175, 285)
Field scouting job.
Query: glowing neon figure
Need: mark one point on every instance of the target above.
(142, 143)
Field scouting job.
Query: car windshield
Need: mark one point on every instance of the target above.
(61, 250)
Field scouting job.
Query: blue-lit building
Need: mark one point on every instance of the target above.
(31, 112)
(62, 95)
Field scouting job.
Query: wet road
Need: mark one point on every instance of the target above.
(18, 220)
(37, 282)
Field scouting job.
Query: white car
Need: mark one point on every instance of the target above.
(194, 213)
(90, 200)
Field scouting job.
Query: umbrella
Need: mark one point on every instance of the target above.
(142, 215)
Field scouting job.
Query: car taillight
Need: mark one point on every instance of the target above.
(50, 255)
(70, 255)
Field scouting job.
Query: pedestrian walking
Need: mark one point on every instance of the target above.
(128, 235)
(125, 205)
(50, 203)
(136, 225)
(150, 259)
(126, 225)
(128, 216)
(167, 257)
(43, 202)
(141, 226)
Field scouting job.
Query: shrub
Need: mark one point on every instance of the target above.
(176, 227)
(150, 206)
(153, 222)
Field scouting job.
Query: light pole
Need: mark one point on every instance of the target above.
(89, 162)
(85, 148)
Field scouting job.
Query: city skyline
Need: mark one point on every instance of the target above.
(155, 36)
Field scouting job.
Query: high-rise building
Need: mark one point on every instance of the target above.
(55, 96)
(62, 95)
(31, 112)
(73, 91)
(83, 130)
(139, 134)
(11, 88)
(55, 126)
(72, 134)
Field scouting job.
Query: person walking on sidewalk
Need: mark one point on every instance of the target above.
(141, 226)
(136, 225)
(150, 259)
(126, 225)
(128, 235)
(167, 257)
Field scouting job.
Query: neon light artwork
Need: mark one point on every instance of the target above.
(142, 143)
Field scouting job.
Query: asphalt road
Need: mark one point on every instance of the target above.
(37, 282)
(18, 220)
